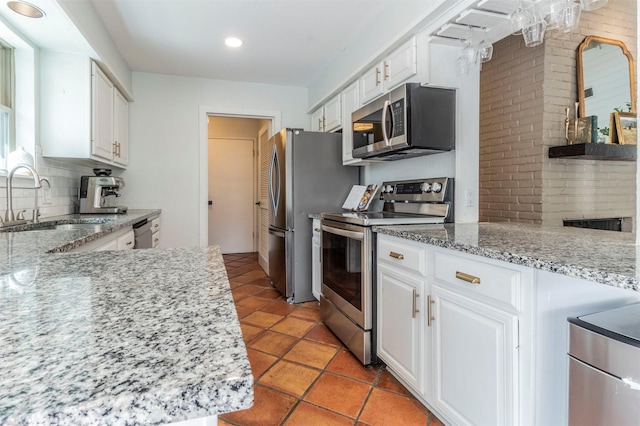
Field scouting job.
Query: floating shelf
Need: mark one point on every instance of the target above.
(595, 151)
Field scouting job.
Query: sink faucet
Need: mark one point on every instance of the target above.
(36, 212)
(9, 216)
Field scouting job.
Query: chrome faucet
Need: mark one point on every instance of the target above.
(9, 217)
(36, 212)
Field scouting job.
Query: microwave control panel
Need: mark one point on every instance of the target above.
(397, 111)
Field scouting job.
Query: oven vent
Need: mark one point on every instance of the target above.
(620, 224)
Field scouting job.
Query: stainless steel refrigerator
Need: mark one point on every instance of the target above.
(306, 176)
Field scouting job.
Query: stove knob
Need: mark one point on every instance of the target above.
(437, 187)
(425, 187)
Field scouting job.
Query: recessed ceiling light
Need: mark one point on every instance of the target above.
(25, 9)
(233, 42)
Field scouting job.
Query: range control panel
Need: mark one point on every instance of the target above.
(429, 190)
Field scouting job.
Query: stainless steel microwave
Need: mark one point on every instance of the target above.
(409, 121)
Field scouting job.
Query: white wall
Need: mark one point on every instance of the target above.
(165, 141)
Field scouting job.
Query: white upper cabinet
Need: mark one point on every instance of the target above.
(101, 114)
(393, 70)
(84, 117)
(121, 128)
(328, 117)
(333, 114)
(350, 102)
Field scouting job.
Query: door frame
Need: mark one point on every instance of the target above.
(203, 153)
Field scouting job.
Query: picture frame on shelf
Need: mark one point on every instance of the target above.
(626, 128)
(613, 132)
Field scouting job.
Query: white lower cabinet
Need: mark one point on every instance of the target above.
(448, 330)
(122, 239)
(474, 360)
(490, 337)
(401, 324)
(316, 265)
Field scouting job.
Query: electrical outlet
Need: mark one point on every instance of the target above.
(469, 200)
(46, 195)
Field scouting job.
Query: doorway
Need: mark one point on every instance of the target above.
(233, 183)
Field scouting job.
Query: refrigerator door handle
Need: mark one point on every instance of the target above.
(274, 180)
(276, 233)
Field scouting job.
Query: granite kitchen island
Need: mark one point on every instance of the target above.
(116, 337)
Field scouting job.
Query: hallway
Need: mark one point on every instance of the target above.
(303, 374)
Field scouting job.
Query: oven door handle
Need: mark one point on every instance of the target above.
(344, 233)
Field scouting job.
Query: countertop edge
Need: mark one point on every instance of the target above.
(602, 277)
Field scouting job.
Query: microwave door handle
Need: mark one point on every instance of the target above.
(385, 136)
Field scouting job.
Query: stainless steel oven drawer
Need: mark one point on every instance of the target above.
(354, 337)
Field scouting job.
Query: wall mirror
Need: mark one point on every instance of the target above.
(606, 80)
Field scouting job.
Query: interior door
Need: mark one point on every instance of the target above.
(231, 194)
(263, 197)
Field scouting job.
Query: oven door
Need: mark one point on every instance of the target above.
(346, 270)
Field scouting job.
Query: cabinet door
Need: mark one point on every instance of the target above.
(350, 102)
(316, 266)
(101, 114)
(121, 128)
(126, 241)
(400, 65)
(333, 114)
(317, 120)
(371, 84)
(475, 360)
(400, 324)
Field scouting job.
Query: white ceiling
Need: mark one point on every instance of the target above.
(288, 42)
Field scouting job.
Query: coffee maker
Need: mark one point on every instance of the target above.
(98, 194)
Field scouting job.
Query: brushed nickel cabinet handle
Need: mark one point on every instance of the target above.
(395, 255)
(386, 70)
(468, 278)
(430, 318)
(316, 229)
(414, 304)
(377, 77)
(319, 123)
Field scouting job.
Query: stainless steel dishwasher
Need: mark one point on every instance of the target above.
(604, 368)
(143, 234)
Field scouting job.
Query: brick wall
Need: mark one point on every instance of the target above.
(511, 109)
(524, 92)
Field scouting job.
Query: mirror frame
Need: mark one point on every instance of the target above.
(579, 65)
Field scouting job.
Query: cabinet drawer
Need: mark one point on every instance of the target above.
(495, 282)
(155, 225)
(402, 253)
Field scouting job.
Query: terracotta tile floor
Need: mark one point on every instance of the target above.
(303, 374)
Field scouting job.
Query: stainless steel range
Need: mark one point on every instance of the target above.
(348, 249)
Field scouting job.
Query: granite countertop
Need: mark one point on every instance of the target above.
(601, 256)
(130, 337)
